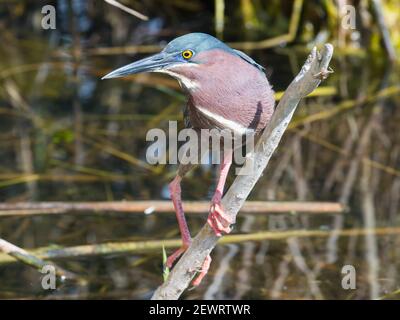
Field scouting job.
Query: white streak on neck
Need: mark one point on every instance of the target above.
(186, 82)
(229, 124)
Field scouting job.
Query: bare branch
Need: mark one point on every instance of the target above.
(30, 259)
(314, 70)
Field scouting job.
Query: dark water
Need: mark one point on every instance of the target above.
(67, 136)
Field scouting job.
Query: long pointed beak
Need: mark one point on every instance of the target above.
(149, 64)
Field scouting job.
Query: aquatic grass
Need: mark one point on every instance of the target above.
(164, 261)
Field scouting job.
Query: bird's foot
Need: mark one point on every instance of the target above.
(171, 259)
(218, 220)
(203, 271)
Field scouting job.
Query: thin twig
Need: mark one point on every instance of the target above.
(305, 82)
(128, 10)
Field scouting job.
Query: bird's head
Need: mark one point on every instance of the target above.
(184, 58)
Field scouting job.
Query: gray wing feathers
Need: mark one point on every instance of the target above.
(249, 60)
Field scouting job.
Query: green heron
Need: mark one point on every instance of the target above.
(226, 89)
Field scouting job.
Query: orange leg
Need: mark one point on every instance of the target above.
(175, 190)
(218, 220)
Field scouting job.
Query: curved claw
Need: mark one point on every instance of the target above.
(218, 220)
(203, 271)
(204, 268)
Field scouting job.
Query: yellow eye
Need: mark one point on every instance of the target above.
(187, 54)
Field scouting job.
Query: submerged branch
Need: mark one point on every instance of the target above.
(314, 70)
(54, 253)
